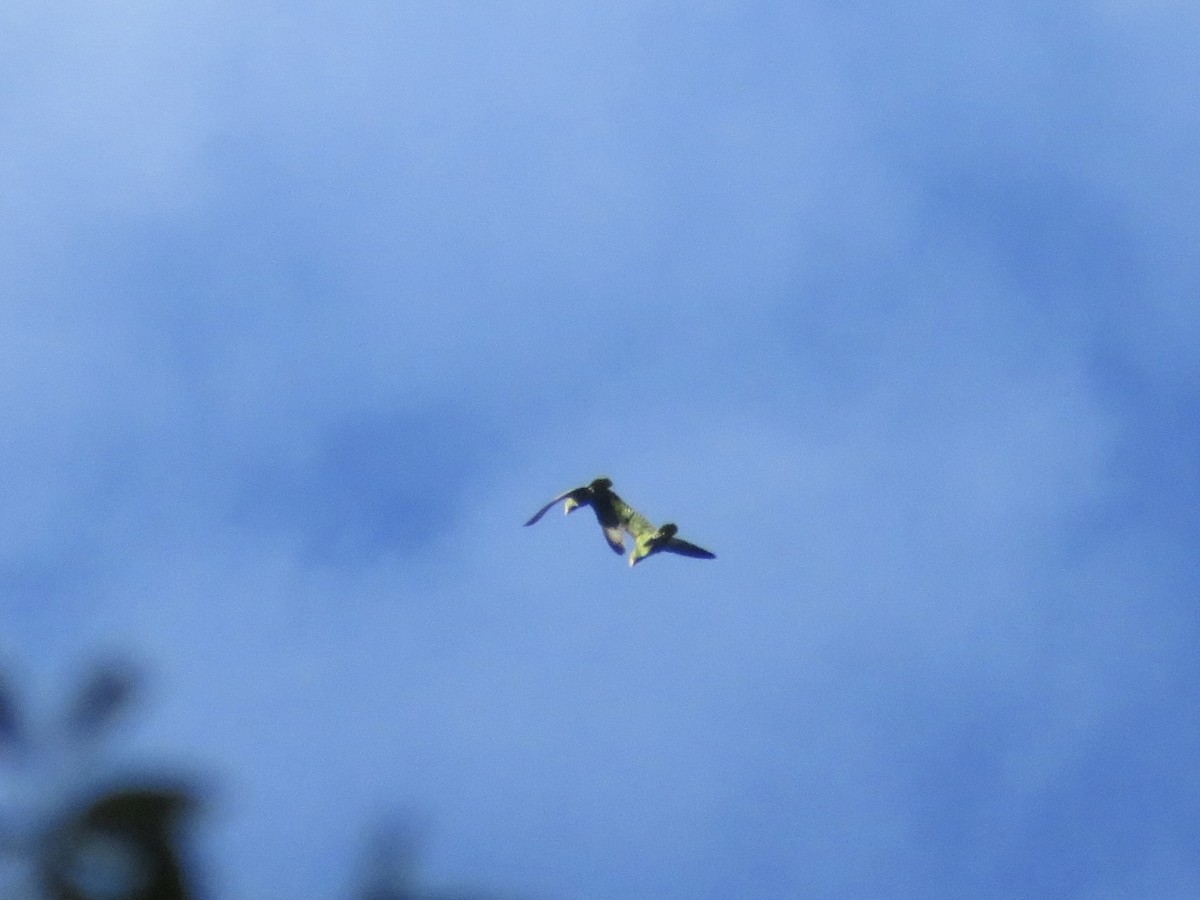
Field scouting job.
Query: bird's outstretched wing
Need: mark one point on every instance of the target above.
(683, 548)
(559, 499)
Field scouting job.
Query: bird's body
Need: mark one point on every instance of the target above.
(631, 520)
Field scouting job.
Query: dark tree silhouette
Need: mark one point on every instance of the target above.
(123, 843)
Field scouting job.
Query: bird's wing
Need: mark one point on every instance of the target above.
(683, 548)
(559, 499)
(630, 519)
(615, 537)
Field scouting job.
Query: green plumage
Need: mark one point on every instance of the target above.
(631, 520)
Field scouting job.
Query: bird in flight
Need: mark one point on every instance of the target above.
(604, 503)
(651, 540)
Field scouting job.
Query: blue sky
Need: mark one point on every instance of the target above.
(307, 308)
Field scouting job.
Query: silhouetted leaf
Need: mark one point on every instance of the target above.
(12, 733)
(121, 845)
(102, 699)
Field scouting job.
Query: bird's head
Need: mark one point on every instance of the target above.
(667, 531)
(601, 484)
